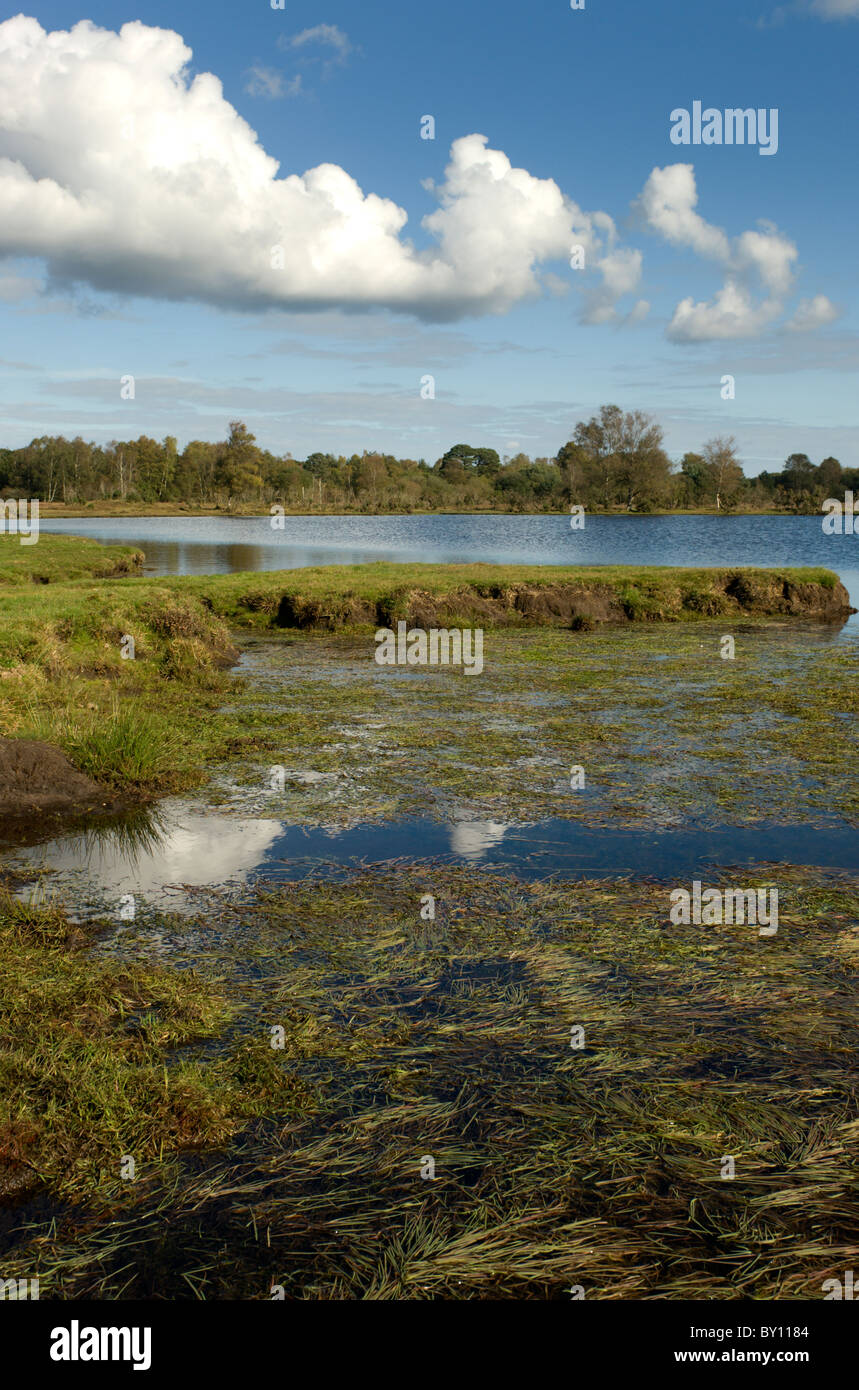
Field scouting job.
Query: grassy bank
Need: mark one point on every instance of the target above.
(130, 724)
(600, 1165)
(513, 595)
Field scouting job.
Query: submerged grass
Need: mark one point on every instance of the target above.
(84, 1043)
(450, 1039)
(670, 732)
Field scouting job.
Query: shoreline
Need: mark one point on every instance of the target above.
(106, 511)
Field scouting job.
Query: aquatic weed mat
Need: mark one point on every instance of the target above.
(536, 1090)
(664, 729)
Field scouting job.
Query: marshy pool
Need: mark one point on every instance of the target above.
(693, 763)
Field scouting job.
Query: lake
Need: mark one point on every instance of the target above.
(220, 545)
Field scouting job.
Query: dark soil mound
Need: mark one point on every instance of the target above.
(38, 779)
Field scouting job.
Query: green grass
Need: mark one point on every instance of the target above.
(119, 748)
(83, 1052)
(95, 1063)
(137, 725)
(58, 559)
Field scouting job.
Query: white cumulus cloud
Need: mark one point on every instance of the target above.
(123, 173)
(761, 260)
(668, 202)
(768, 254)
(813, 313)
(731, 314)
(620, 269)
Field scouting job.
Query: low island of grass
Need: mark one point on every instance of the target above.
(151, 723)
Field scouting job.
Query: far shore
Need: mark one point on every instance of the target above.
(109, 509)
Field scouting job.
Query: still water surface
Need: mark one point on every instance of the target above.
(179, 852)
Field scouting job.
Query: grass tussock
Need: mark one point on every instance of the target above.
(84, 1045)
(119, 748)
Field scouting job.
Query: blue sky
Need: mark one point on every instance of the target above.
(108, 270)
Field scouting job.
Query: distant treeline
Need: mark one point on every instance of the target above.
(614, 461)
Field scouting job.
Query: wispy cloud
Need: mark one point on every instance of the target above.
(326, 36)
(810, 9)
(14, 288)
(268, 82)
(836, 9)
